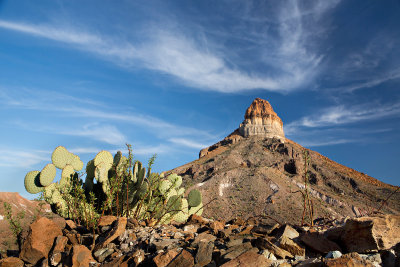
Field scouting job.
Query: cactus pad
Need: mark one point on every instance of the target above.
(194, 198)
(175, 179)
(66, 174)
(90, 169)
(32, 182)
(101, 172)
(165, 186)
(61, 157)
(103, 156)
(76, 163)
(47, 174)
(196, 210)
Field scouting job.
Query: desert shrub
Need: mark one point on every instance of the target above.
(112, 185)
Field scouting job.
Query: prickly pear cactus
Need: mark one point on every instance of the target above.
(32, 182)
(47, 174)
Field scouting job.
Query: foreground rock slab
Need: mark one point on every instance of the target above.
(370, 234)
(40, 239)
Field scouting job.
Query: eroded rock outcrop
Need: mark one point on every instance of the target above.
(260, 119)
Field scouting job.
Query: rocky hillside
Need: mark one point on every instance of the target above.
(256, 171)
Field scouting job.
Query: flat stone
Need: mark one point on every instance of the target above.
(248, 259)
(263, 243)
(287, 231)
(11, 262)
(102, 254)
(165, 243)
(40, 239)
(268, 255)
(236, 251)
(191, 228)
(319, 242)
(369, 234)
(204, 253)
(71, 225)
(193, 219)
(351, 259)
(119, 227)
(206, 237)
(291, 246)
(234, 242)
(107, 220)
(312, 262)
(217, 226)
(333, 254)
(81, 256)
(183, 259)
(163, 259)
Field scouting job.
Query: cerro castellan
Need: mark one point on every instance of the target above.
(261, 120)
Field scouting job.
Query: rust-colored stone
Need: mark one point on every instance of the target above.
(11, 262)
(163, 259)
(248, 259)
(118, 229)
(42, 233)
(81, 256)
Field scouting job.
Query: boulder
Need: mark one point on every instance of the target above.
(119, 227)
(183, 259)
(318, 242)
(351, 259)
(81, 256)
(291, 246)
(39, 242)
(204, 253)
(368, 234)
(163, 259)
(11, 262)
(249, 259)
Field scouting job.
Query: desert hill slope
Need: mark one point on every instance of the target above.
(256, 171)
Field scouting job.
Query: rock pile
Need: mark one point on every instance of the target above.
(260, 119)
(368, 241)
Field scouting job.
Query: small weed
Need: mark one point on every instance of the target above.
(14, 221)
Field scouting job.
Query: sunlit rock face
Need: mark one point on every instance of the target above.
(260, 119)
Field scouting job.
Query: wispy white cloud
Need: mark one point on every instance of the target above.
(326, 127)
(188, 143)
(370, 82)
(105, 133)
(339, 115)
(22, 159)
(195, 63)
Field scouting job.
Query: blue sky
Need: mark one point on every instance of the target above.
(172, 77)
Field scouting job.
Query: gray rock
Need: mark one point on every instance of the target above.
(204, 253)
(268, 254)
(103, 253)
(333, 254)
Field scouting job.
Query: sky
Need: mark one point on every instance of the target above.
(173, 77)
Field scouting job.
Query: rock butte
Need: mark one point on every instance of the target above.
(260, 119)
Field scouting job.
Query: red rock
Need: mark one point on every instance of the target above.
(11, 262)
(319, 243)
(248, 259)
(197, 219)
(163, 259)
(261, 119)
(71, 225)
(217, 226)
(289, 245)
(59, 246)
(107, 220)
(118, 230)
(263, 243)
(368, 234)
(351, 260)
(42, 233)
(81, 256)
(183, 259)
